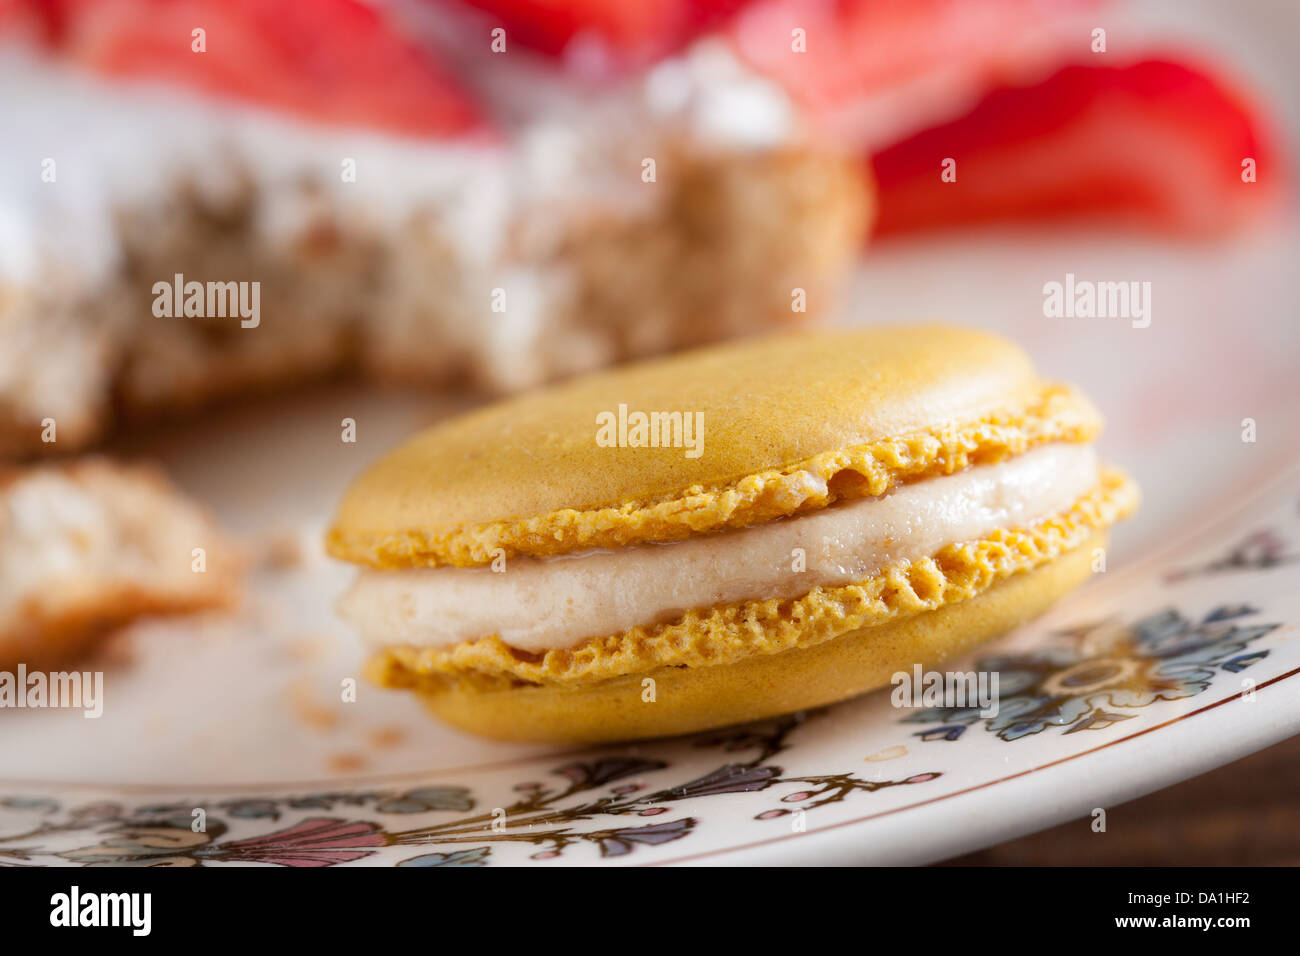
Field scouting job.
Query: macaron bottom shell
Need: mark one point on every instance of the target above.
(689, 699)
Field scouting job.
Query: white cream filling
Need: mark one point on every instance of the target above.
(541, 604)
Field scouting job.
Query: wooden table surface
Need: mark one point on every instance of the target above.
(1246, 813)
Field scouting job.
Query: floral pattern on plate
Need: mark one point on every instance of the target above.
(1132, 660)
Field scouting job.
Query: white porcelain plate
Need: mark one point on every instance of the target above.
(1183, 655)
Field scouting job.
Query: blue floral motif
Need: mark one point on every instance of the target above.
(475, 857)
(1163, 656)
(624, 841)
(41, 804)
(255, 809)
(731, 778)
(428, 798)
(1260, 550)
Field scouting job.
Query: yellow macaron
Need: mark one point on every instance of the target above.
(724, 535)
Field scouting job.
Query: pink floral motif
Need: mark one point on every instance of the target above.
(318, 841)
(586, 807)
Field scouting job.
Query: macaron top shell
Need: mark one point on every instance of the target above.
(789, 423)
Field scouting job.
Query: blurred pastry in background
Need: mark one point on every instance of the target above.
(174, 166)
(496, 193)
(90, 546)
